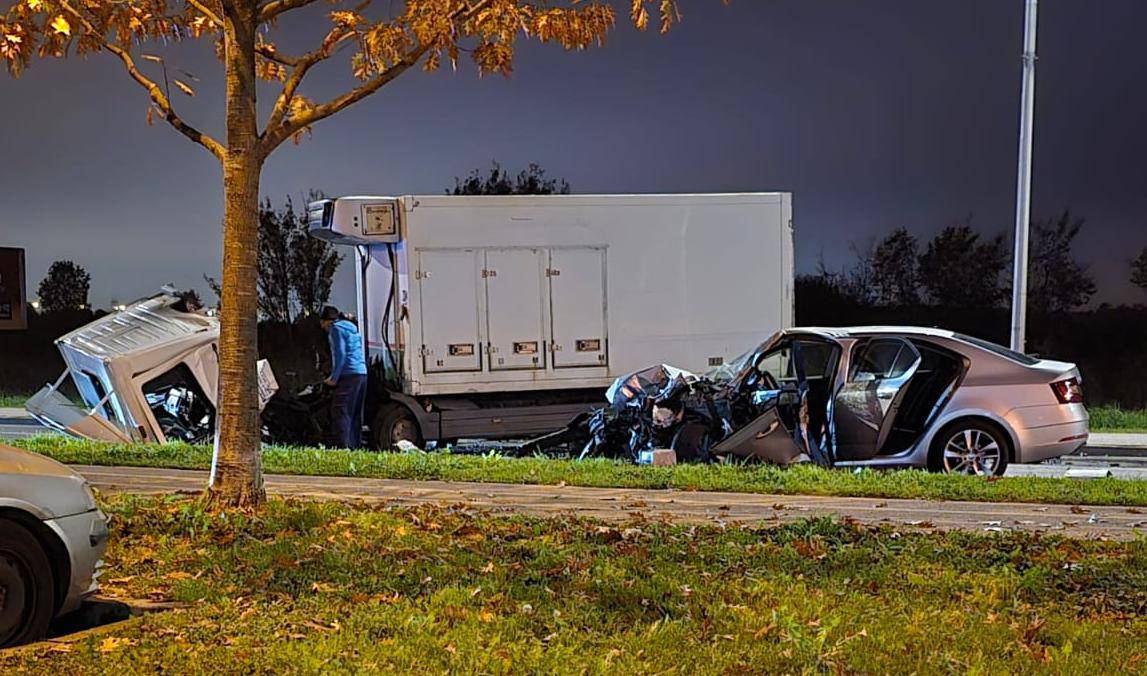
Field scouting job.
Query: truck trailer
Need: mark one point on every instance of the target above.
(506, 316)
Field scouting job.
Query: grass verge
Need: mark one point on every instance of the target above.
(329, 588)
(12, 400)
(795, 480)
(1115, 419)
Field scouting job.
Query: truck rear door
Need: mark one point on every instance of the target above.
(448, 292)
(514, 307)
(577, 306)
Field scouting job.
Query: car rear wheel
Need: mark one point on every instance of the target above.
(27, 590)
(394, 423)
(970, 447)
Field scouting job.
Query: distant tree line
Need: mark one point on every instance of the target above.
(961, 268)
(960, 279)
(497, 181)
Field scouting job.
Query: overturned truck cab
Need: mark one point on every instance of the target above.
(148, 373)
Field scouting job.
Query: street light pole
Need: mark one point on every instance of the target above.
(1024, 182)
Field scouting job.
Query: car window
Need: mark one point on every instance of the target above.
(880, 360)
(778, 363)
(817, 360)
(999, 350)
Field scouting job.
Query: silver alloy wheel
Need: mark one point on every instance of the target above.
(972, 451)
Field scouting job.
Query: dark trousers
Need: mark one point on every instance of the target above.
(346, 409)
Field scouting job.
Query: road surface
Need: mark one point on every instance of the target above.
(621, 504)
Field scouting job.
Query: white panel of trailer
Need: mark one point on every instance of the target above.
(448, 287)
(515, 324)
(578, 306)
(690, 280)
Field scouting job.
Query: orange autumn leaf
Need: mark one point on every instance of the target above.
(61, 26)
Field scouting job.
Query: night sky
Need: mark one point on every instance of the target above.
(875, 114)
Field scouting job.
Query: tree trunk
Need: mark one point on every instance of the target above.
(238, 477)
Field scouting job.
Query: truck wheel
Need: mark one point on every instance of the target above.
(394, 423)
(27, 590)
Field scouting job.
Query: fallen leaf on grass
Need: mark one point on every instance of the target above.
(114, 642)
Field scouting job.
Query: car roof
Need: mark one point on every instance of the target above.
(857, 331)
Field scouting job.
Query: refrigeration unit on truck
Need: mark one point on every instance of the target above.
(506, 316)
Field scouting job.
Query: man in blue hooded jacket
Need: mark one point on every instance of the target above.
(348, 377)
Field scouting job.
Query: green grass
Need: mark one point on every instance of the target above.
(308, 587)
(795, 480)
(1115, 419)
(8, 400)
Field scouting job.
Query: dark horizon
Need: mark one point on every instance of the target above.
(877, 116)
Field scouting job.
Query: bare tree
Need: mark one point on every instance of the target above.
(1139, 270)
(1057, 282)
(276, 231)
(313, 264)
(959, 269)
(896, 270)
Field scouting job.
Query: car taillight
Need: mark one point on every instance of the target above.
(1068, 391)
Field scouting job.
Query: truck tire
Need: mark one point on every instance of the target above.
(393, 423)
(27, 588)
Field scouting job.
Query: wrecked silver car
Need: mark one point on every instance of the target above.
(881, 396)
(148, 373)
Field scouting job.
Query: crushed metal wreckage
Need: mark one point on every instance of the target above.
(735, 411)
(150, 373)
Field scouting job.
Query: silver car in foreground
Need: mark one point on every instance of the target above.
(52, 539)
(929, 398)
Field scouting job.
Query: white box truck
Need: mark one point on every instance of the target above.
(506, 316)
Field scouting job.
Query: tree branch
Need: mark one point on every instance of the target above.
(157, 95)
(274, 8)
(302, 66)
(202, 9)
(270, 54)
(274, 137)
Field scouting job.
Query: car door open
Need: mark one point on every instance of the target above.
(866, 405)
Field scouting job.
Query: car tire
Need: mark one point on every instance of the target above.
(27, 589)
(393, 423)
(971, 446)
